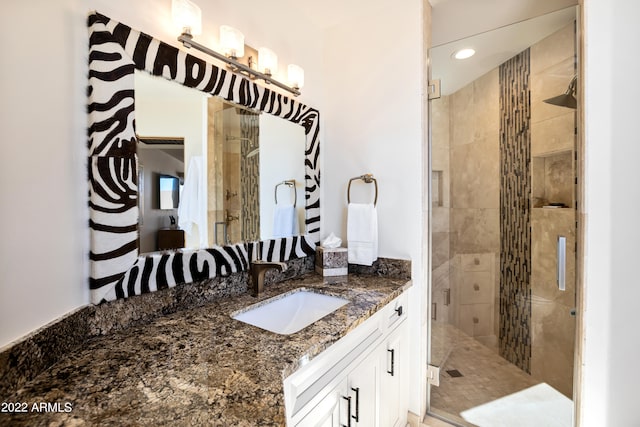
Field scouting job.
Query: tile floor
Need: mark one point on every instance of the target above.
(485, 375)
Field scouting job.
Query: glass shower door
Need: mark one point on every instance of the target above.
(503, 181)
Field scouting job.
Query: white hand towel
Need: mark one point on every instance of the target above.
(192, 209)
(285, 221)
(362, 233)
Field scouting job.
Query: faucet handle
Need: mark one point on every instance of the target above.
(257, 270)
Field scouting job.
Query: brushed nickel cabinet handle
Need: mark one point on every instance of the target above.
(562, 263)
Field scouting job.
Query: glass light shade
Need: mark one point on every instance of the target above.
(295, 75)
(187, 16)
(267, 61)
(231, 42)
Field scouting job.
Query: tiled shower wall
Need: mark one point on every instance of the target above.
(232, 177)
(250, 175)
(553, 64)
(466, 208)
(466, 238)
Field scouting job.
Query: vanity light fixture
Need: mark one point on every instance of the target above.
(464, 53)
(187, 16)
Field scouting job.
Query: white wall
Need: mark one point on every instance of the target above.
(373, 124)
(282, 146)
(43, 181)
(43, 172)
(612, 337)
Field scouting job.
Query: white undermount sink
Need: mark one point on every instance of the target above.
(288, 313)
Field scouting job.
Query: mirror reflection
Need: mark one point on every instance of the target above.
(230, 164)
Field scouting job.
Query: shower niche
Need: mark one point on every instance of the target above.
(553, 179)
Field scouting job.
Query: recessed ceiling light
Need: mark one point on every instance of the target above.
(463, 53)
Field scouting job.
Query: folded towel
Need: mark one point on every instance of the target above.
(362, 233)
(285, 221)
(192, 209)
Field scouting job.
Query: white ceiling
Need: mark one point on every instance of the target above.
(454, 20)
(492, 48)
(457, 19)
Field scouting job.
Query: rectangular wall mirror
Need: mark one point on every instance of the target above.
(240, 171)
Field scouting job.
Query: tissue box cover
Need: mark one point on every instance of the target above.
(332, 261)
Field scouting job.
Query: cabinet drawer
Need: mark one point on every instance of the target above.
(476, 287)
(397, 311)
(170, 239)
(476, 320)
(476, 262)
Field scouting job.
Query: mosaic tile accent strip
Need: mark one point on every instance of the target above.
(515, 211)
(250, 176)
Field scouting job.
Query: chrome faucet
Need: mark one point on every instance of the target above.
(257, 271)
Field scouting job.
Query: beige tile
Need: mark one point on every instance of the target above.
(440, 219)
(559, 178)
(486, 376)
(440, 157)
(554, 134)
(475, 230)
(439, 248)
(552, 344)
(553, 49)
(475, 180)
(546, 226)
(462, 107)
(440, 122)
(553, 82)
(486, 111)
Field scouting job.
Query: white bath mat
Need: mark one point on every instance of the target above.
(537, 406)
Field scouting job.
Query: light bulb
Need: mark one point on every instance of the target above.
(232, 42)
(187, 16)
(267, 61)
(295, 75)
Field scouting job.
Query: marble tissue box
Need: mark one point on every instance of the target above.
(331, 261)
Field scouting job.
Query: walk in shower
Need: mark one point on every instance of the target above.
(503, 179)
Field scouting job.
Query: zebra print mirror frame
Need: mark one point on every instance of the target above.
(116, 269)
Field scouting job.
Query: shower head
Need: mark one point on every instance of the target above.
(253, 152)
(238, 138)
(567, 99)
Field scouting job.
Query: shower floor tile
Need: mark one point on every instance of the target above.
(485, 375)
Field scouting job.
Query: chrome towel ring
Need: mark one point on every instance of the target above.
(367, 178)
(289, 183)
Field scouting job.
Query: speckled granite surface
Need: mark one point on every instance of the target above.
(195, 366)
(24, 360)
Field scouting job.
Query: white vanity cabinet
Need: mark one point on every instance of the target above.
(394, 377)
(360, 380)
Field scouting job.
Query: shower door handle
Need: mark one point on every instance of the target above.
(562, 262)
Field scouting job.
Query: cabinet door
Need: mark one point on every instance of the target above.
(327, 412)
(362, 388)
(393, 379)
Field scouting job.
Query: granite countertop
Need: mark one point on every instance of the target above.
(194, 367)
